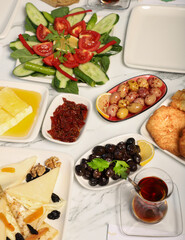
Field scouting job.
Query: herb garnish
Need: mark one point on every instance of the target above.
(120, 167)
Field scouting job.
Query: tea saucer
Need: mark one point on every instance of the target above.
(169, 226)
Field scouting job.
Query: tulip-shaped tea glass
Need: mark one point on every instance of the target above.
(149, 204)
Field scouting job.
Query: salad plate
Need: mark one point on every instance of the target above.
(169, 226)
(76, 68)
(58, 101)
(7, 14)
(123, 96)
(112, 183)
(37, 97)
(64, 181)
(146, 44)
(146, 134)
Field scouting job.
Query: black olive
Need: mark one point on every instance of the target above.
(87, 174)
(110, 148)
(108, 157)
(92, 156)
(121, 145)
(32, 230)
(109, 172)
(98, 150)
(79, 170)
(131, 149)
(118, 155)
(54, 215)
(130, 141)
(7, 238)
(137, 158)
(96, 174)
(29, 177)
(93, 181)
(115, 177)
(132, 165)
(103, 180)
(55, 197)
(138, 149)
(18, 236)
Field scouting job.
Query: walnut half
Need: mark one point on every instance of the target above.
(52, 162)
(37, 170)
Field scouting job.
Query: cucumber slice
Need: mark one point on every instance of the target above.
(77, 18)
(60, 80)
(18, 45)
(35, 15)
(106, 24)
(48, 16)
(20, 71)
(94, 72)
(92, 21)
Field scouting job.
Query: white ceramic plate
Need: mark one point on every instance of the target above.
(41, 110)
(8, 11)
(155, 39)
(59, 101)
(146, 134)
(112, 183)
(64, 181)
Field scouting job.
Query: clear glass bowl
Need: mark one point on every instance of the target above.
(97, 4)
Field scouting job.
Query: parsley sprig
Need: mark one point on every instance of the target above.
(120, 167)
(56, 38)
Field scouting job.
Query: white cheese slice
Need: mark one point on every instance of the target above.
(8, 179)
(37, 190)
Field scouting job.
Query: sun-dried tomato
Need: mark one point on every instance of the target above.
(67, 121)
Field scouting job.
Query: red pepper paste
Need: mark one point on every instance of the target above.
(67, 121)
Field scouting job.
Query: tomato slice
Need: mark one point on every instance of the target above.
(93, 35)
(88, 44)
(62, 25)
(71, 62)
(50, 59)
(83, 56)
(78, 28)
(42, 32)
(43, 49)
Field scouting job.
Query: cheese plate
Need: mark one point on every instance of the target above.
(64, 180)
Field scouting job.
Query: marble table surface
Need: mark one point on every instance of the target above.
(90, 212)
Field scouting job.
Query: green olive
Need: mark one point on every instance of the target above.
(123, 103)
(134, 107)
(122, 113)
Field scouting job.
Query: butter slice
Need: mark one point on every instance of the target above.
(12, 109)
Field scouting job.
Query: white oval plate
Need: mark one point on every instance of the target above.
(111, 183)
(146, 134)
(41, 110)
(59, 101)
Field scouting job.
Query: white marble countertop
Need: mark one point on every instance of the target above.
(91, 211)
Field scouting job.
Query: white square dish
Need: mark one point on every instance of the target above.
(35, 128)
(57, 102)
(64, 181)
(155, 39)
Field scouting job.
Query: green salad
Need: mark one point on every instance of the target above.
(62, 44)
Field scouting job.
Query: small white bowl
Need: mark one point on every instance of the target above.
(59, 101)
